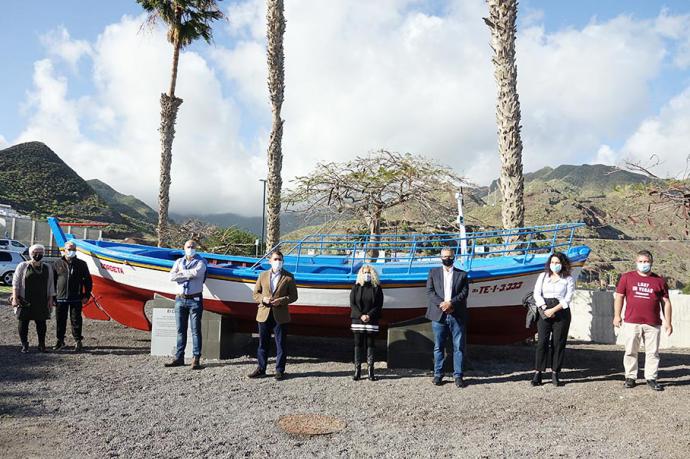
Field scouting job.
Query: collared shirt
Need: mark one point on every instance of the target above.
(447, 283)
(562, 290)
(189, 275)
(275, 278)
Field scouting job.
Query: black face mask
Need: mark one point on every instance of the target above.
(37, 256)
(447, 261)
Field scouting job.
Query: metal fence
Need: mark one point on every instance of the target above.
(30, 232)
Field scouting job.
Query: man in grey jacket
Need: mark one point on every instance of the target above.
(447, 288)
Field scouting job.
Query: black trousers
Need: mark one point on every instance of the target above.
(553, 335)
(363, 341)
(40, 331)
(73, 308)
(280, 333)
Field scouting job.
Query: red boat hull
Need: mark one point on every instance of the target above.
(125, 304)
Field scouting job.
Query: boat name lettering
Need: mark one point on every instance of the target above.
(497, 288)
(112, 269)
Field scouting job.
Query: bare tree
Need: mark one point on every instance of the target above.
(275, 19)
(368, 186)
(666, 194)
(501, 21)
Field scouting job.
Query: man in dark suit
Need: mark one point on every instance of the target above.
(447, 288)
(275, 289)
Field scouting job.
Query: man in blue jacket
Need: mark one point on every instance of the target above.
(447, 288)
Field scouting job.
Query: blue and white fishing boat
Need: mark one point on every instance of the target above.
(325, 266)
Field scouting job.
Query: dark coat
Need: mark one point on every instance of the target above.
(435, 294)
(366, 299)
(72, 280)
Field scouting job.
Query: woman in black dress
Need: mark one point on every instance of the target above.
(366, 302)
(33, 290)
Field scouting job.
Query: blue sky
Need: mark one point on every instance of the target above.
(599, 81)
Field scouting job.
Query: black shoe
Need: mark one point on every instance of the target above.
(629, 383)
(279, 376)
(195, 364)
(59, 345)
(358, 373)
(175, 363)
(42, 347)
(554, 380)
(370, 372)
(536, 379)
(78, 347)
(654, 385)
(459, 382)
(258, 373)
(25, 348)
(438, 380)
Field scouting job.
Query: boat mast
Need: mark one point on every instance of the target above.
(461, 224)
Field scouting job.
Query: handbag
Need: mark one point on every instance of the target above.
(21, 304)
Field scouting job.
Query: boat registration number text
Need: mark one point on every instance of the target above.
(497, 288)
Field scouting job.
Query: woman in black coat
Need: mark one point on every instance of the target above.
(366, 302)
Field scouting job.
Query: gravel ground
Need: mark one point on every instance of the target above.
(115, 400)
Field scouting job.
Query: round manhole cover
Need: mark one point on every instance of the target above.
(310, 424)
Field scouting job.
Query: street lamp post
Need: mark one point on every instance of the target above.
(263, 215)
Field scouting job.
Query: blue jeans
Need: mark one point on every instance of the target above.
(448, 325)
(183, 309)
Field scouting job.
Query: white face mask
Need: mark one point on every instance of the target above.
(70, 253)
(556, 267)
(277, 265)
(367, 277)
(190, 252)
(644, 267)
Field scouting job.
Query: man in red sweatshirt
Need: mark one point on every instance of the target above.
(643, 291)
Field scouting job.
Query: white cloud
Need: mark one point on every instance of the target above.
(387, 74)
(359, 76)
(606, 155)
(3, 142)
(112, 134)
(59, 44)
(666, 135)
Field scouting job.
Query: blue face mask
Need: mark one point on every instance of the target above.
(556, 267)
(644, 267)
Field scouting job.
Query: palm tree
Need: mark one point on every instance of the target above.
(187, 20)
(501, 21)
(275, 19)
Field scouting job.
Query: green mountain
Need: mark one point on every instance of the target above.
(124, 204)
(589, 177)
(34, 180)
(288, 221)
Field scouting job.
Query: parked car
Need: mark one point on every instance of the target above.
(13, 246)
(8, 263)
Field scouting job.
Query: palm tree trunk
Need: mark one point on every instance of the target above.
(169, 107)
(173, 77)
(501, 21)
(275, 19)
